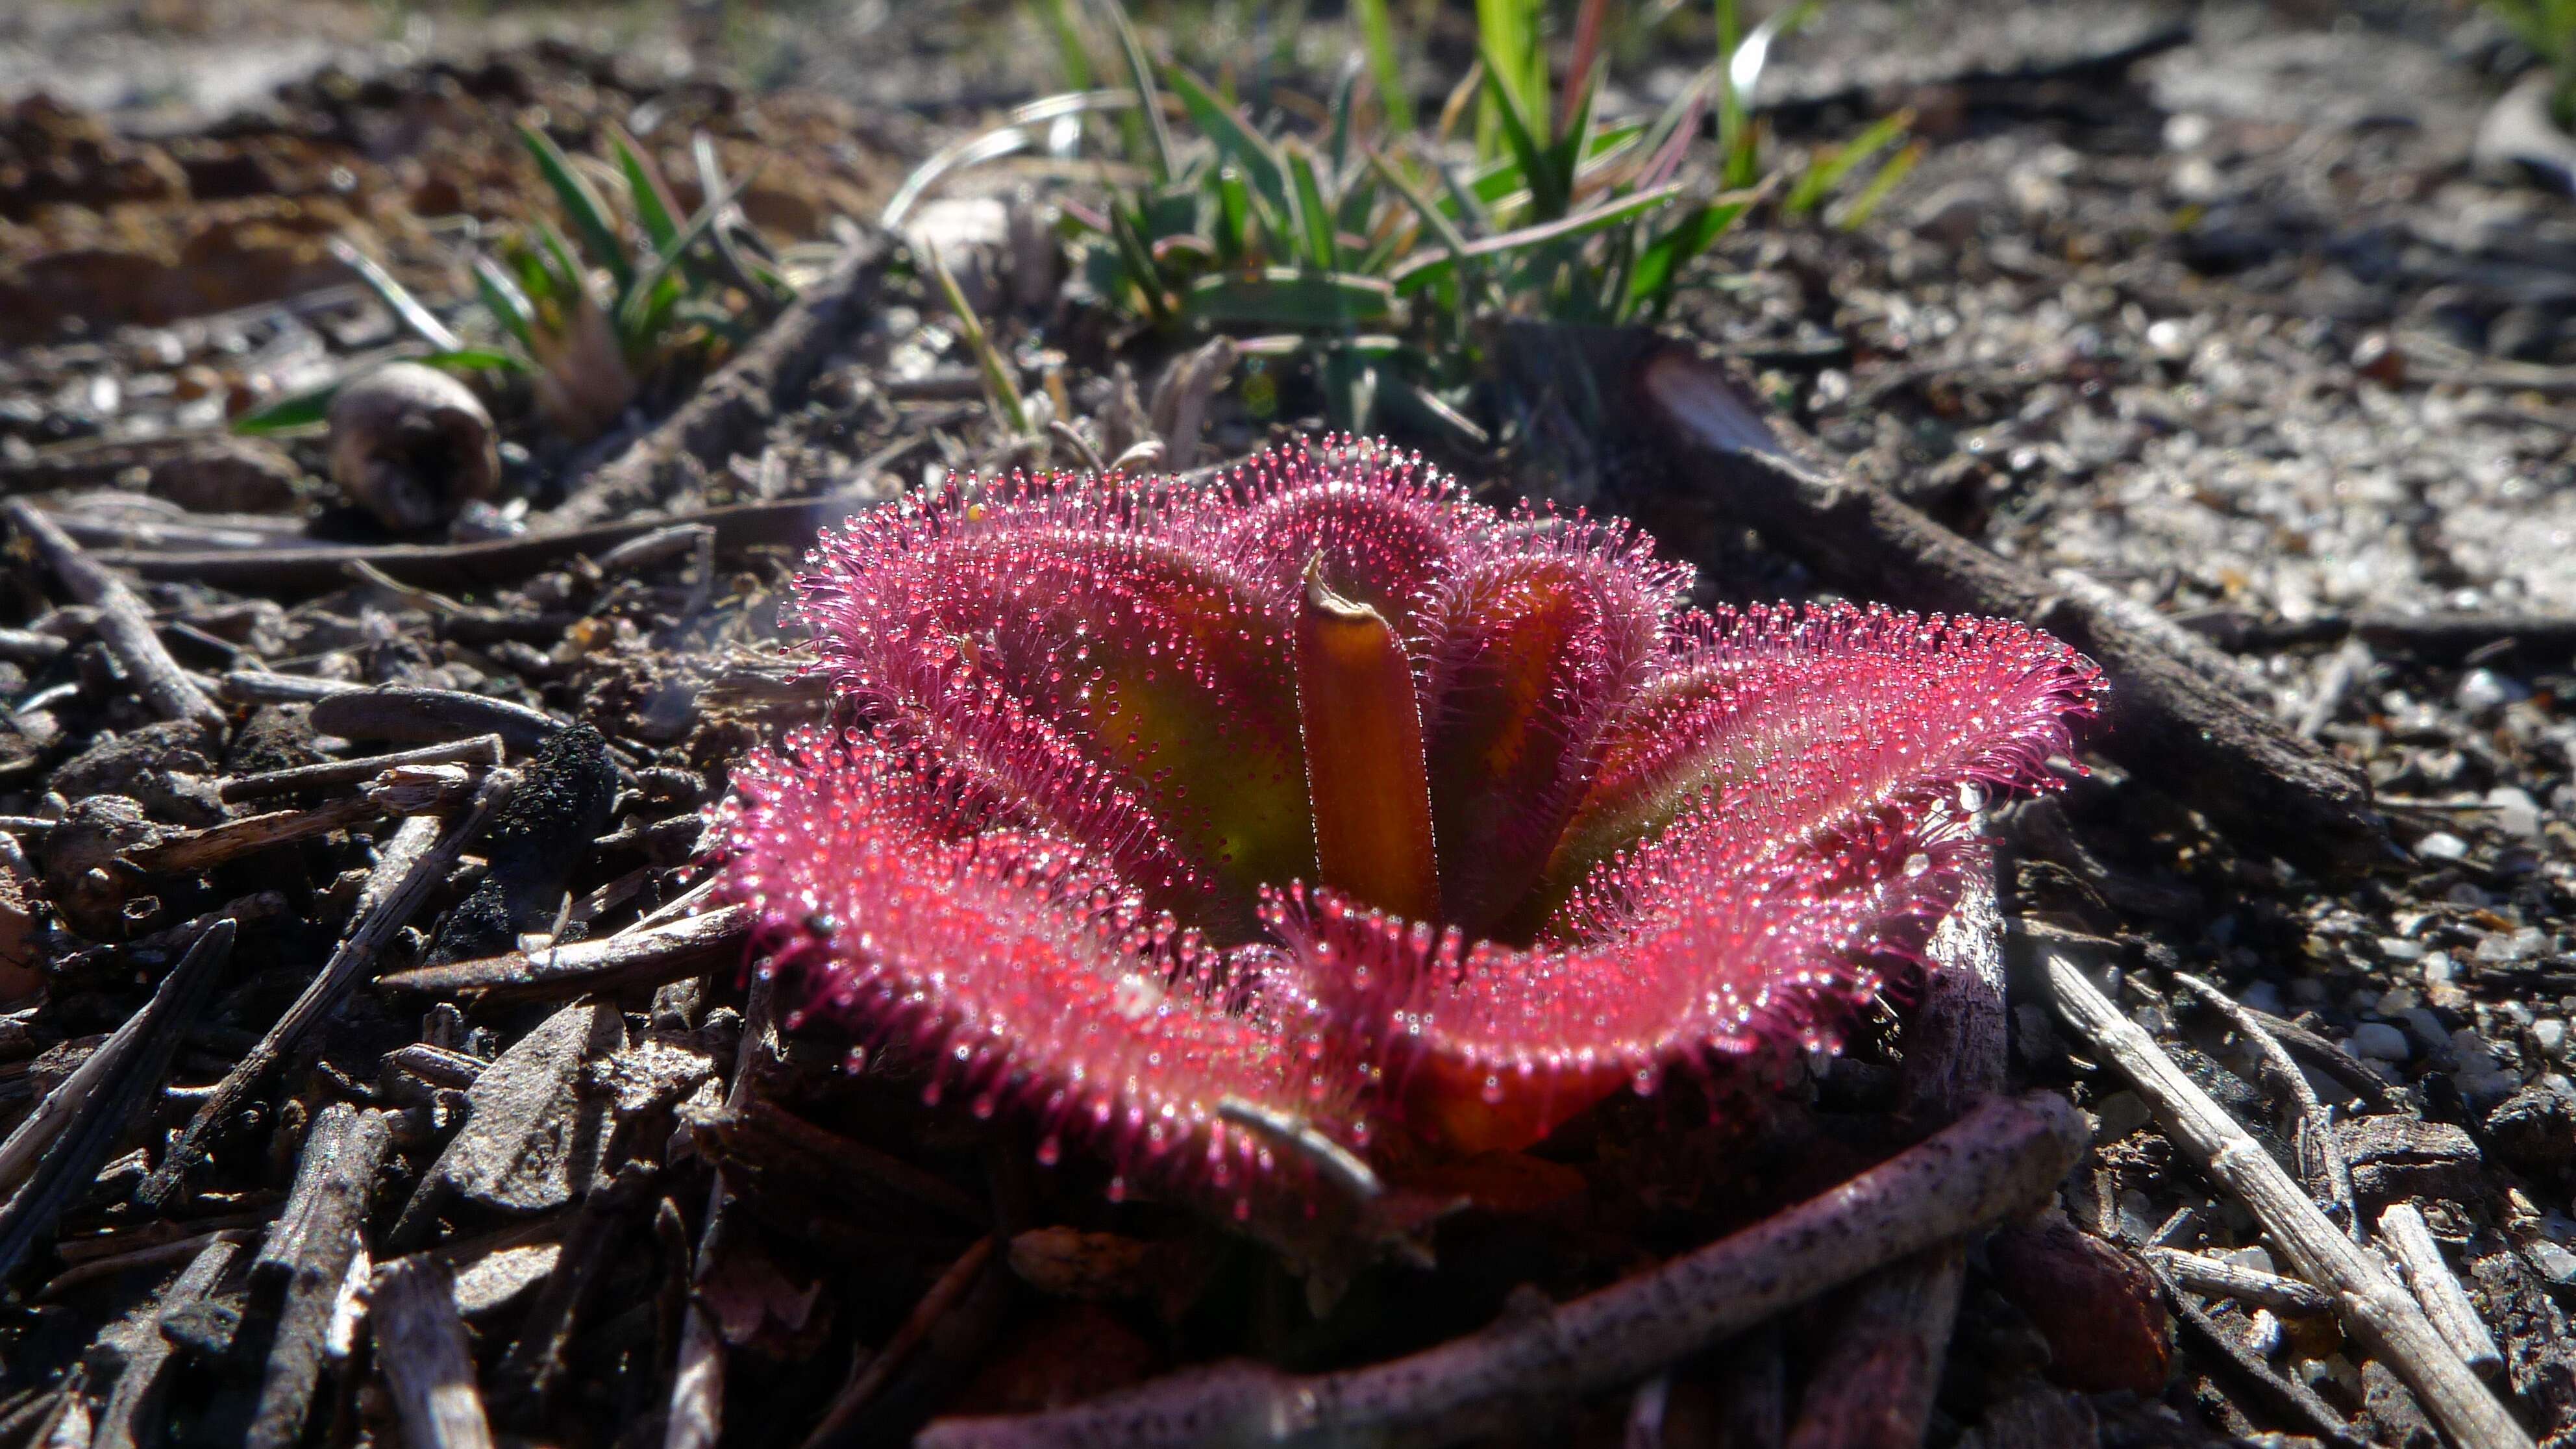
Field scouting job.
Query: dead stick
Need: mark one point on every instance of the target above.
(421, 1345)
(2203, 1274)
(792, 522)
(2380, 1311)
(2171, 718)
(2409, 1240)
(124, 625)
(415, 860)
(133, 1413)
(696, 1418)
(736, 404)
(926, 1315)
(480, 750)
(2312, 1121)
(1998, 1158)
(139, 1058)
(1875, 1380)
(628, 959)
(307, 1259)
(92, 1081)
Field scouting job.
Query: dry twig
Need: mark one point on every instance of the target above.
(421, 1344)
(2403, 1232)
(415, 860)
(94, 1113)
(123, 622)
(2379, 1310)
(1995, 1159)
(611, 963)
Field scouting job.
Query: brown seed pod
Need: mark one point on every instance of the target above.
(412, 445)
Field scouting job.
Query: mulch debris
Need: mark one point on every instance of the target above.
(371, 1065)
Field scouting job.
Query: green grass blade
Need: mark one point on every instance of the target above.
(568, 281)
(1160, 157)
(1659, 267)
(1856, 213)
(636, 306)
(1444, 232)
(1002, 388)
(1507, 40)
(1314, 217)
(503, 299)
(1288, 297)
(581, 204)
(407, 308)
(1567, 153)
(1414, 276)
(1236, 140)
(1058, 15)
(1548, 198)
(1233, 216)
(1827, 171)
(475, 359)
(293, 413)
(1129, 239)
(1337, 144)
(655, 211)
(1377, 41)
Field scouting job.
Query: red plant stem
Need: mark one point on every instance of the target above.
(1365, 777)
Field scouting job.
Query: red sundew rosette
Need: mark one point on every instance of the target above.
(1323, 796)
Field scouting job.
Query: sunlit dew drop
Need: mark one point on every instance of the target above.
(1492, 1091)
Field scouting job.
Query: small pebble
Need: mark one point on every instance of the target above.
(2398, 948)
(2118, 1115)
(2554, 1262)
(2550, 1035)
(2262, 996)
(2514, 812)
(2379, 1041)
(2498, 947)
(2263, 1333)
(2256, 1258)
(2441, 845)
(2484, 689)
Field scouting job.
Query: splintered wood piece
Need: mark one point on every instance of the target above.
(532, 1141)
(420, 1344)
(2174, 714)
(2000, 1157)
(2203, 1274)
(414, 861)
(628, 960)
(2320, 1150)
(132, 1416)
(2381, 1313)
(96, 1106)
(1875, 1380)
(696, 1418)
(2409, 1240)
(306, 1260)
(479, 750)
(124, 624)
(526, 1379)
(935, 1305)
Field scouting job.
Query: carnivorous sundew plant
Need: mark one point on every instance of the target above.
(1321, 812)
